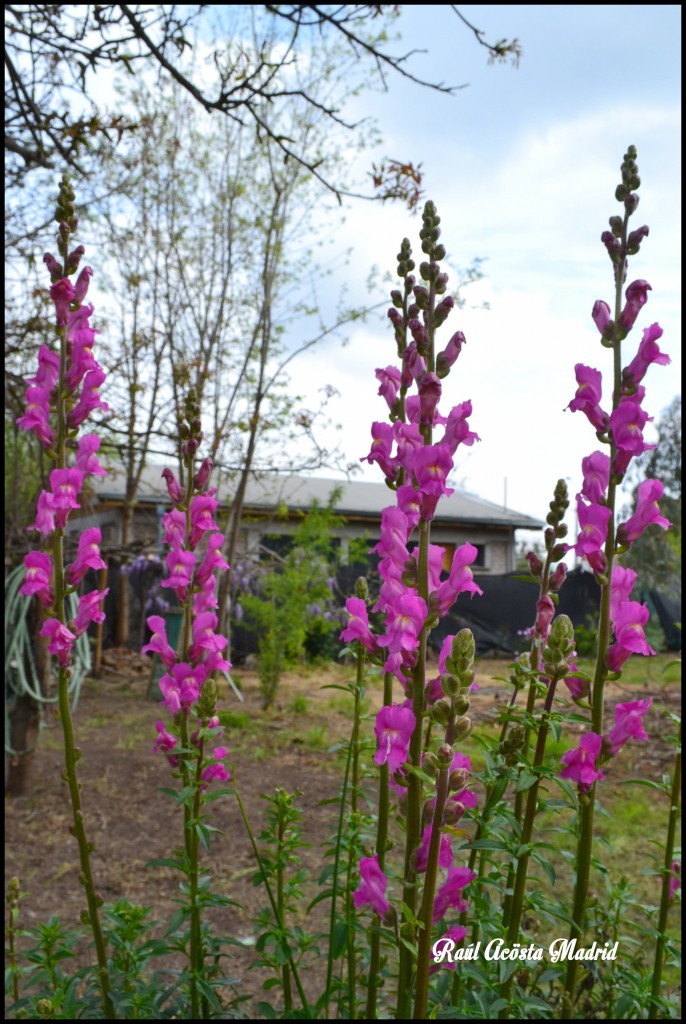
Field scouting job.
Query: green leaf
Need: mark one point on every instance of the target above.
(525, 781)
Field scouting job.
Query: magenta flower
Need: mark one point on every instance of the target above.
(629, 624)
(90, 398)
(596, 471)
(173, 486)
(61, 640)
(202, 477)
(181, 564)
(87, 556)
(409, 440)
(580, 762)
(395, 530)
(445, 851)
(204, 637)
(372, 888)
(627, 423)
(87, 458)
(648, 353)
(181, 688)
(65, 484)
(622, 584)
(460, 580)
(628, 723)
(446, 358)
(62, 294)
(601, 315)
(213, 559)
(166, 743)
(636, 298)
(174, 527)
(393, 727)
(382, 443)
(82, 359)
(158, 642)
(389, 380)
(588, 395)
(37, 415)
(593, 524)
(48, 369)
(457, 429)
(215, 771)
(89, 610)
(358, 625)
(81, 285)
(450, 893)
(405, 621)
(545, 612)
(38, 579)
(45, 514)
(454, 935)
(429, 396)
(202, 507)
(647, 512)
(557, 578)
(431, 464)
(409, 502)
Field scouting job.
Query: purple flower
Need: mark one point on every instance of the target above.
(394, 727)
(636, 298)
(456, 933)
(158, 642)
(62, 294)
(166, 743)
(175, 492)
(89, 610)
(450, 893)
(38, 579)
(61, 640)
(389, 380)
(87, 556)
(446, 358)
(630, 638)
(628, 723)
(596, 471)
(460, 579)
(86, 456)
(580, 762)
(647, 512)
(588, 395)
(372, 888)
(445, 852)
(358, 625)
(457, 429)
(648, 353)
(675, 879)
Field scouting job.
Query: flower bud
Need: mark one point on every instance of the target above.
(558, 577)
(463, 727)
(361, 588)
(535, 564)
(453, 811)
(457, 780)
(441, 711)
(460, 704)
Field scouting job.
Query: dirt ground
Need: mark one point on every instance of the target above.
(131, 823)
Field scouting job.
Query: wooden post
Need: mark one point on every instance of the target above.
(97, 653)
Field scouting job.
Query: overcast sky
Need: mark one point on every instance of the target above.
(522, 166)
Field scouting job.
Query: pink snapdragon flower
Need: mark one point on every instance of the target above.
(61, 640)
(627, 423)
(588, 396)
(38, 578)
(181, 564)
(158, 643)
(647, 512)
(404, 623)
(87, 556)
(460, 580)
(393, 728)
(216, 771)
(181, 688)
(65, 484)
(358, 624)
(629, 623)
(382, 444)
(545, 612)
(202, 507)
(48, 369)
(593, 526)
(174, 528)
(457, 429)
(212, 560)
(636, 297)
(389, 380)
(648, 353)
(90, 398)
(580, 763)
(446, 358)
(87, 458)
(454, 935)
(45, 514)
(37, 415)
(173, 486)
(596, 470)
(372, 888)
(89, 610)
(628, 723)
(62, 294)
(204, 637)
(450, 893)
(623, 581)
(445, 851)
(410, 503)
(166, 743)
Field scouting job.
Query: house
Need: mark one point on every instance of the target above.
(274, 504)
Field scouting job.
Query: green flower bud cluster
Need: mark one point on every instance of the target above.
(556, 528)
(559, 649)
(430, 233)
(65, 216)
(512, 744)
(207, 701)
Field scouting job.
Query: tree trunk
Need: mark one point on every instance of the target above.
(25, 717)
(122, 630)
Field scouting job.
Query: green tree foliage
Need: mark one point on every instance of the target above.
(290, 609)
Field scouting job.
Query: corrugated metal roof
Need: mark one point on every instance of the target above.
(358, 497)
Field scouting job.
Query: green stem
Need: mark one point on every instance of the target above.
(428, 896)
(664, 898)
(381, 839)
(285, 970)
(270, 894)
(525, 839)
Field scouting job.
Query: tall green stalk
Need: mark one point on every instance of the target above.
(381, 840)
(665, 895)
